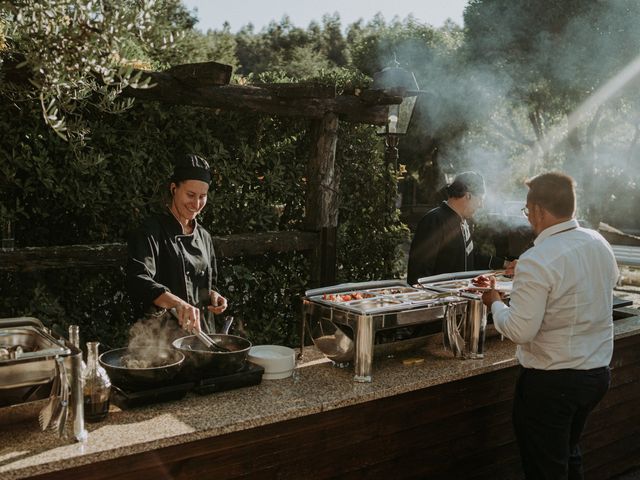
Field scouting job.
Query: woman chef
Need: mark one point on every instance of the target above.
(171, 262)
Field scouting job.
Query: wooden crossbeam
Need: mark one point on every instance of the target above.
(267, 99)
(206, 84)
(115, 254)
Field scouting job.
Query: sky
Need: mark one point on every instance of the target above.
(213, 13)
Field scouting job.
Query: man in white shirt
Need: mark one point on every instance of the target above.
(560, 316)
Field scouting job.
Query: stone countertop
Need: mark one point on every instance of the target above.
(316, 386)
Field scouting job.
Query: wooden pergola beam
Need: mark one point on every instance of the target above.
(267, 99)
(206, 85)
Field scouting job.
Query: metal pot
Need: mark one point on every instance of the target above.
(203, 363)
(164, 365)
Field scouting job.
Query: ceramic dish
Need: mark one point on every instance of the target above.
(277, 361)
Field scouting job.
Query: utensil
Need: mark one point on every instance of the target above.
(203, 337)
(204, 363)
(208, 341)
(62, 421)
(46, 414)
(451, 332)
(228, 320)
(63, 401)
(168, 362)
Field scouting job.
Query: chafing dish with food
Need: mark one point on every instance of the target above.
(31, 357)
(463, 282)
(355, 322)
(466, 339)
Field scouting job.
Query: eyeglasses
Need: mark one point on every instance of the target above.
(525, 211)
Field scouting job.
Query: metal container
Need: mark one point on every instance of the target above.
(203, 363)
(464, 328)
(27, 377)
(355, 322)
(158, 367)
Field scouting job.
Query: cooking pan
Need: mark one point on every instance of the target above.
(157, 368)
(203, 363)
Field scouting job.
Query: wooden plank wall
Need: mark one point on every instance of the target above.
(460, 430)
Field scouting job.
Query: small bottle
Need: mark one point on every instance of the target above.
(97, 387)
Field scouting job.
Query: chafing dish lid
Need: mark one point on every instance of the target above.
(20, 322)
(344, 287)
(34, 340)
(443, 277)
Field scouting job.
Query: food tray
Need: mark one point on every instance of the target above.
(503, 285)
(380, 300)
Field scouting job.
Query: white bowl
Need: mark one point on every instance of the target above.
(278, 361)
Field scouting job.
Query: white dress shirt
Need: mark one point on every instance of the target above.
(560, 309)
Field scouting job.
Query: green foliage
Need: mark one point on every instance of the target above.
(297, 52)
(367, 210)
(76, 53)
(58, 197)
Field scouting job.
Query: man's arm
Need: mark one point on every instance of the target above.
(521, 321)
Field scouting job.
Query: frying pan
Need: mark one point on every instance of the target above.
(165, 365)
(203, 363)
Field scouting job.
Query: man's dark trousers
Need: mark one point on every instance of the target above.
(549, 413)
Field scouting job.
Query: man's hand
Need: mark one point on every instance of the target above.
(492, 295)
(218, 303)
(481, 281)
(510, 268)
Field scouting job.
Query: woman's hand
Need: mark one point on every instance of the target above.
(218, 303)
(188, 316)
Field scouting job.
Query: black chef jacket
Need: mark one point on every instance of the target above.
(162, 259)
(439, 246)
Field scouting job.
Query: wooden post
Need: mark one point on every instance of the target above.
(321, 206)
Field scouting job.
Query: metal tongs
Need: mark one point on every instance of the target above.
(206, 339)
(54, 414)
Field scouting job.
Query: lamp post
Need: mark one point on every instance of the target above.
(395, 80)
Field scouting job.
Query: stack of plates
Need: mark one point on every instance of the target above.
(277, 361)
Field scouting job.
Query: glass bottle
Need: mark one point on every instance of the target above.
(97, 387)
(74, 339)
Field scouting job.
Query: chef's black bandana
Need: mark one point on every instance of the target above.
(191, 167)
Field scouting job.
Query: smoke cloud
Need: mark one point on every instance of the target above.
(589, 123)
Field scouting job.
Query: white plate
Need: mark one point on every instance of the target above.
(277, 361)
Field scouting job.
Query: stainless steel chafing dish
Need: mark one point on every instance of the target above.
(466, 339)
(28, 353)
(461, 283)
(355, 321)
